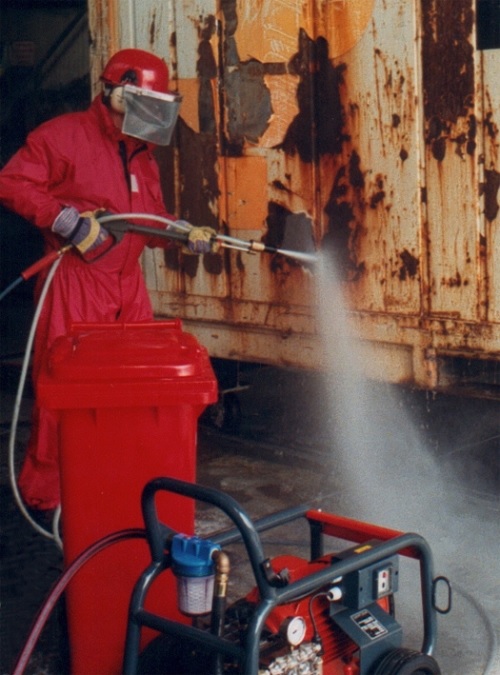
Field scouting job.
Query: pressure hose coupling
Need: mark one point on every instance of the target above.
(222, 569)
(334, 594)
(256, 246)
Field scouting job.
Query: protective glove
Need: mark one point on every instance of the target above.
(81, 229)
(202, 240)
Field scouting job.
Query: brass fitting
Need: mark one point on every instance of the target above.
(222, 569)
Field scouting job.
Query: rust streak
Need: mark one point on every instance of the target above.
(491, 187)
(152, 30)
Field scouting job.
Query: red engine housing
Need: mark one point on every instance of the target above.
(339, 651)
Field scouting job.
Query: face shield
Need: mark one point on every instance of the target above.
(149, 115)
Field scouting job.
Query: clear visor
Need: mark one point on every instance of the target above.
(149, 115)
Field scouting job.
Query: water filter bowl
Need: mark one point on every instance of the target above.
(193, 566)
(194, 594)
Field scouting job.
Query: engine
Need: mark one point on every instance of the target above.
(300, 638)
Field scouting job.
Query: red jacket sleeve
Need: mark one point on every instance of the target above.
(26, 178)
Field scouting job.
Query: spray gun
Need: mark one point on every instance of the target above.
(118, 225)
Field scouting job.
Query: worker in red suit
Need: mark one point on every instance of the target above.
(70, 169)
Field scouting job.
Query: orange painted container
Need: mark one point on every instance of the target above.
(128, 397)
(366, 131)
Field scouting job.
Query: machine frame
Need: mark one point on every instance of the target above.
(272, 591)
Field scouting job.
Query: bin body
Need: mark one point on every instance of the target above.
(128, 398)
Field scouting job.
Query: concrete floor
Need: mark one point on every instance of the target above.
(398, 458)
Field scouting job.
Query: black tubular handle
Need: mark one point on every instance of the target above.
(120, 227)
(271, 595)
(156, 532)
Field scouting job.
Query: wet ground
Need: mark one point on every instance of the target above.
(399, 458)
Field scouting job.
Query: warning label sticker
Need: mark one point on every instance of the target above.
(370, 626)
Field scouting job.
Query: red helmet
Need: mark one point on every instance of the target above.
(137, 67)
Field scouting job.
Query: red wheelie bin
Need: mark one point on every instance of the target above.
(128, 399)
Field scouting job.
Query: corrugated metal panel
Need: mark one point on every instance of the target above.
(369, 130)
(452, 87)
(490, 184)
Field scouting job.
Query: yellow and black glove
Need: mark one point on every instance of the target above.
(202, 240)
(83, 230)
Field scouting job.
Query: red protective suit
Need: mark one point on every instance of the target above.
(82, 160)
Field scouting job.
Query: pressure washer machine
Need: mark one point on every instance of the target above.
(332, 614)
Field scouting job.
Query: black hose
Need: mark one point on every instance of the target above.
(10, 288)
(60, 586)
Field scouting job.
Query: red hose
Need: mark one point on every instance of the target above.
(60, 586)
(43, 262)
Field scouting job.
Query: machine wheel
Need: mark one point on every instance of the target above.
(407, 662)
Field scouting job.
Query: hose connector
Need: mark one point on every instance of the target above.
(256, 246)
(222, 569)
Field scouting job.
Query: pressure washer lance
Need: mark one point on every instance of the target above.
(118, 225)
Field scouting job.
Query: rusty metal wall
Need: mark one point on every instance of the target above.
(366, 130)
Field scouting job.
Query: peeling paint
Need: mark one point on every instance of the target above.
(318, 128)
(356, 176)
(288, 230)
(448, 69)
(199, 189)
(248, 103)
(379, 195)
(247, 98)
(410, 266)
(342, 222)
(491, 127)
(276, 223)
(376, 198)
(206, 68)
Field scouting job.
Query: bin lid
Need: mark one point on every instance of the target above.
(150, 364)
(103, 352)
